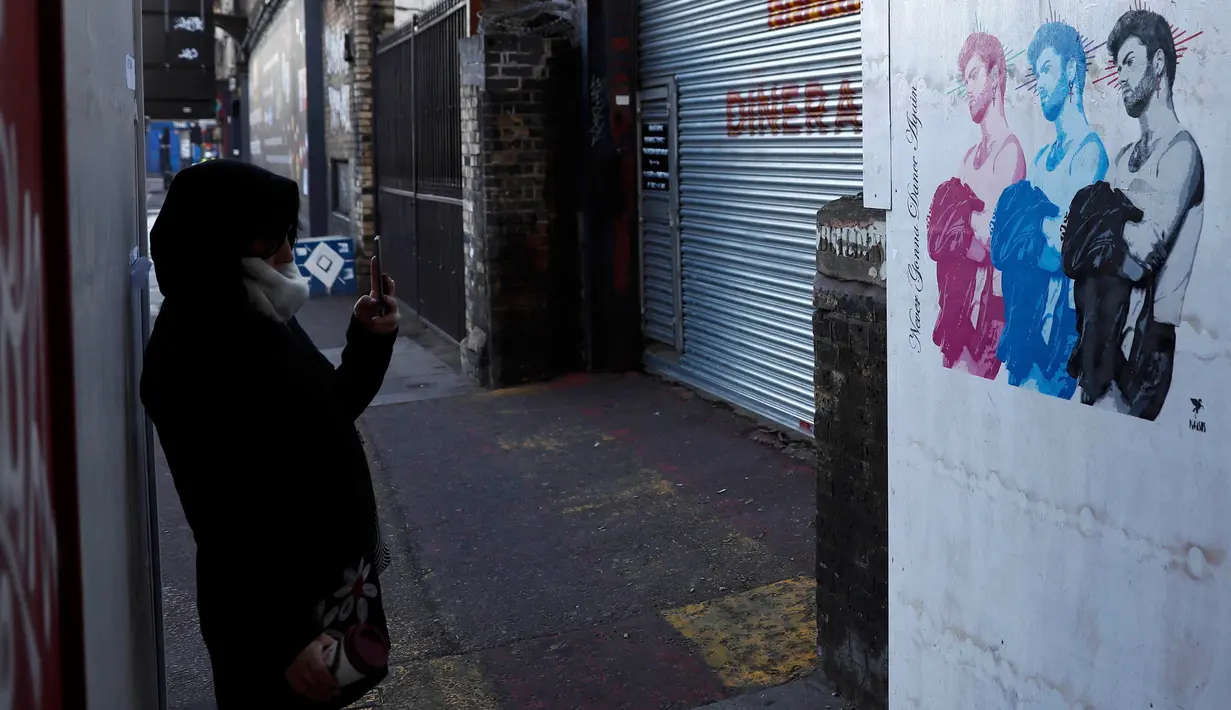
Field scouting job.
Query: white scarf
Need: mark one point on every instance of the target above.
(276, 292)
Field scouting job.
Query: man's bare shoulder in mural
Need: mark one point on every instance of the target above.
(1179, 166)
(1164, 177)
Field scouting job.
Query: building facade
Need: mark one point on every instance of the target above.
(1056, 535)
(278, 101)
(303, 94)
(749, 121)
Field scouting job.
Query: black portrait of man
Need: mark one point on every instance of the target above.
(1145, 222)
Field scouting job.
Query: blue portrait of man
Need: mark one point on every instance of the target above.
(1040, 320)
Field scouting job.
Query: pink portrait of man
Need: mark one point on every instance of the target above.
(971, 316)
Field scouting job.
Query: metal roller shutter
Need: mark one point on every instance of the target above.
(659, 257)
(769, 130)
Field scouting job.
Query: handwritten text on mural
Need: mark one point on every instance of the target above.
(792, 109)
(788, 13)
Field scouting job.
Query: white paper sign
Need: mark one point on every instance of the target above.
(130, 72)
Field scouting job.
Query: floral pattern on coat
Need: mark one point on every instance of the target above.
(351, 598)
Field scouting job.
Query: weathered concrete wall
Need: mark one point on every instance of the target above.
(852, 561)
(519, 201)
(104, 125)
(1058, 394)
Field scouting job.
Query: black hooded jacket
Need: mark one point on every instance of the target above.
(259, 430)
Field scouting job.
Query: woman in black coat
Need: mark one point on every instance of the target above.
(259, 431)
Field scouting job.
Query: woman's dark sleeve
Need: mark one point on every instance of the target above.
(255, 504)
(365, 360)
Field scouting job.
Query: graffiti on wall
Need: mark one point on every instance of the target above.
(337, 80)
(328, 263)
(278, 100)
(792, 110)
(789, 13)
(1065, 265)
(29, 584)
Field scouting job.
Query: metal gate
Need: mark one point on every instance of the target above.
(418, 147)
(770, 129)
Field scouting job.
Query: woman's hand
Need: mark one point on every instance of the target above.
(367, 310)
(309, 676)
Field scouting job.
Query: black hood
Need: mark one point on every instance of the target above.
(214, 214)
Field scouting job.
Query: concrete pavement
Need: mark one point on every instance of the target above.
(597, 542)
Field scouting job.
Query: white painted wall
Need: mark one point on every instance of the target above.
(405, 10)
(877, 117)
(103, 150)
(1047, 554)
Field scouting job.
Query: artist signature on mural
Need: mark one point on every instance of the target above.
(914, 270)
(1196, 424)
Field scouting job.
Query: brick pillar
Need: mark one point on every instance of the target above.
(369, 20)
(852, 554)
(475, 359)
(519, 200)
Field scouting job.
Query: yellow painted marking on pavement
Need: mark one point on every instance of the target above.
(539, 443)
(462, 686)
(756, 639)
(371, 700)
(511, 391)
(641, 488)
(451, 683)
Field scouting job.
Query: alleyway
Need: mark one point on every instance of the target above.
(597, 542)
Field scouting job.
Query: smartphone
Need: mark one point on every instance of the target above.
(378, 275)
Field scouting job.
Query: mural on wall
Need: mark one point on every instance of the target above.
(328, 263)
(789, 13)
(972, 309)
(1132, 240)
(277, 92)
(1067, 273)
(337, 80)
(1040, 328)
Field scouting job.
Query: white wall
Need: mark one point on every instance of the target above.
(1044, 553)
(104, 209)
(405, 10)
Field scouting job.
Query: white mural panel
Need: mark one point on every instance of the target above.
(1059, 370)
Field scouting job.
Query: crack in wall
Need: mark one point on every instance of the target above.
(1198, 562)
